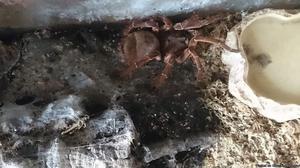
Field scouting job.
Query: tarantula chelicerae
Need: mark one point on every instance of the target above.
(156, 38)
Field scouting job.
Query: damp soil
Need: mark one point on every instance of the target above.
(52, 63)
(86, 61)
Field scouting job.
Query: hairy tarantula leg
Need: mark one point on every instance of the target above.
(130, 70)
(183, 58)
(217, 42)
(197, 60)
(196, 22)
(163, 76)
(142, 24)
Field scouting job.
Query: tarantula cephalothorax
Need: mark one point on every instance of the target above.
(156, 38)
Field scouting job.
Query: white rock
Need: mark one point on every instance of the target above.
(61, 113)
(105, 142)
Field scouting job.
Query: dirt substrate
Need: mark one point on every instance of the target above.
(84, 62)
(247, 138)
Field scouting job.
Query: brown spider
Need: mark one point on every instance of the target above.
(157, 38)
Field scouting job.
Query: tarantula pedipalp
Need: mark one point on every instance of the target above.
(156, 39)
